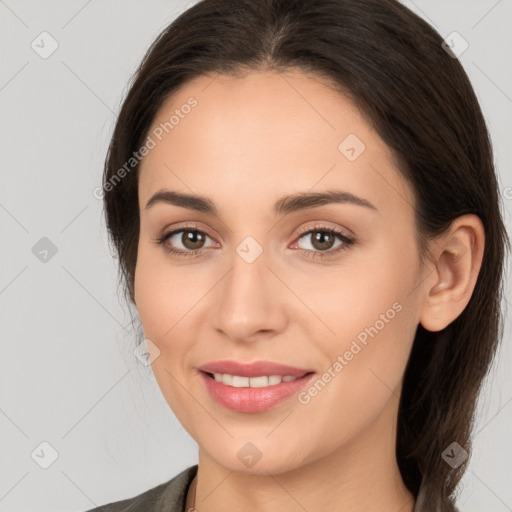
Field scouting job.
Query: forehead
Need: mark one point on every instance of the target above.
(260, 105)
(264, 132)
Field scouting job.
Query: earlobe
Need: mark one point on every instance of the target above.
(457, 261)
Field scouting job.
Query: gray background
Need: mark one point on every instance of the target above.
(67, 371)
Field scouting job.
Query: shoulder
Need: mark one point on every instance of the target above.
(166, 497)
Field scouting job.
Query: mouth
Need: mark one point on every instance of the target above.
(253, 394)
(254, 369)
(262, 381)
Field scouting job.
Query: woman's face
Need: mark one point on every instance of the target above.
(251, 284)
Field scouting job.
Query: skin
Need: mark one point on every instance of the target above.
(248, 142)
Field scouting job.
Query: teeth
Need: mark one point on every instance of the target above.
(237, 381)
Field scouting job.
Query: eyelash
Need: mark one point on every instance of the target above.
(347, 242)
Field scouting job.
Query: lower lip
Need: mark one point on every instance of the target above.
(253, 399)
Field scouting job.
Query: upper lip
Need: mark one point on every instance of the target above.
(255, 369)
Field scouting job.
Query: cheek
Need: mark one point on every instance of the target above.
(160, 291)
(159, 295)
(372, 313)
(366, 288)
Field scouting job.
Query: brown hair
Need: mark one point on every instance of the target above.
(392, 65)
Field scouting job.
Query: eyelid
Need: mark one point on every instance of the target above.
(169, 231)
(190, 225)
(303, 230)
(319, 225)
(346, 239)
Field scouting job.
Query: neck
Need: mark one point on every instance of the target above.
(362, 475)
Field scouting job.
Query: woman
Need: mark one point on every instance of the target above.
(304, 204)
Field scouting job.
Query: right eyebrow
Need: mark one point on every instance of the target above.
(192, 202)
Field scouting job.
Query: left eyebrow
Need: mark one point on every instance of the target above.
(300, 201)
(283, 206)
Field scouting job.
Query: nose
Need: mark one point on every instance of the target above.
(250, 301)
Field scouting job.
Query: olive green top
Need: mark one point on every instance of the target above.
(171, 496)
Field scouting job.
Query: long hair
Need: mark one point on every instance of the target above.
(393, 66)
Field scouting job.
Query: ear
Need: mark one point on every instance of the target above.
(457, 259)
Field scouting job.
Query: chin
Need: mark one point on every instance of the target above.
(259, 458)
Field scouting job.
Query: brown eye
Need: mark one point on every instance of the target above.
(322, 240)
(192, 239)
(184, 241)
